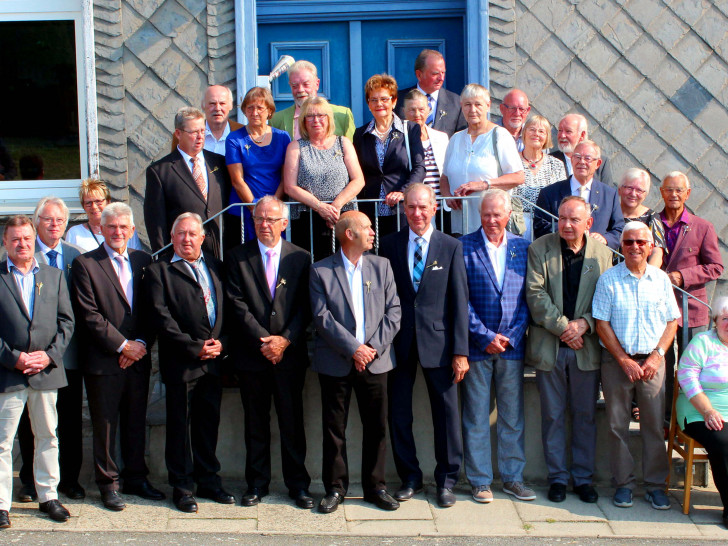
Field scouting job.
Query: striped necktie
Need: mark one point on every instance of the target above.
(418, 264)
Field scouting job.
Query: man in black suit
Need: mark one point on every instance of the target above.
(604, 200)
(35, 329)
(445, 114)
(268, 293)
(186, 293)
(433, 289)
(573, 129)
(113, 335)
(190, 179)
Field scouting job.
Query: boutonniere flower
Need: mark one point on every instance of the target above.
(395, 136)
(247, 147)
(594, 208)
(442, 114)
(39, 285)
(588, 269)
(686, 228)
(282, 282)
(433, 264)
(213, 170)
(369, 285)
(513, 254)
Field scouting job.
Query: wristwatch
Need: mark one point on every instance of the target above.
(660, 351)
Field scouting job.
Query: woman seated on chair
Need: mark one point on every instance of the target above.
(702, 405)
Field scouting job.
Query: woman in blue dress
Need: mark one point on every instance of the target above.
(254, 155)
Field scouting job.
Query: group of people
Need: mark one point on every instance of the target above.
(469, 311)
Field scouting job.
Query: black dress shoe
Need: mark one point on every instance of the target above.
(445, 497)
(27, 493)
(382, 500)
(144, 490)
(407, 491)
(73, 491)
(218, 495)
(330, 502)
(557, 492)
(4, 519)
(184, 502)
(112, 500)
(55, 510)
(253, 496)
(586, 493)
(303, 498)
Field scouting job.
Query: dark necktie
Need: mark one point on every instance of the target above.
(418, 264)
(52, 261)
(431, 117)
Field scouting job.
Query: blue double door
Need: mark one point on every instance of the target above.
(347, 52)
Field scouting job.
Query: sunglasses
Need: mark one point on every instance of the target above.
(639, 242)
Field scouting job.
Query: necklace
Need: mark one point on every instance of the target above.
(532, 163)
(262, 137)
(382, 135)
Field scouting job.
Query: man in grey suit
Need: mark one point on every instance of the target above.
(563, 345)
(50, 219)
(356, 313)
(36, 328)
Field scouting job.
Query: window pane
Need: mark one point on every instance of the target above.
(39, 134)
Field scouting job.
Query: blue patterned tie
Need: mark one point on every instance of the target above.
(52, 258)
(418, 264)
(431, 117)
(206, 292)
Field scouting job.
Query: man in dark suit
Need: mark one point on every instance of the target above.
(35, 329)
(186, 293)
(445, 114)
(50, 219)
(113, 335)
(573, 129)
(356, 313)
(432, 285)
(190, 179)
(603, 199)
(268, 293)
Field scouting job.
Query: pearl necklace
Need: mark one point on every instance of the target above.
(380, 135)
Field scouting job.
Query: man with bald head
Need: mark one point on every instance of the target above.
(514, 110)
(356, 313)
(573, 129)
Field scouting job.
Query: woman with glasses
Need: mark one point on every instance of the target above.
(390, 153)
(633, 188)
(320, 168)
(254, 155)
(94, 195)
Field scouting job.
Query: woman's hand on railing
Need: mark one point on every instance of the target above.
(393, 198)
(471, 187)
(329, 213)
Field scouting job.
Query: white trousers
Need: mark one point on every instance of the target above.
(44, 421)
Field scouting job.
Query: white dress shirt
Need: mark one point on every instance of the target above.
(497, 255)
(214, 145)
(356, 285)
(203, 166)
(576, 188)
(44, 249)
(412, 246)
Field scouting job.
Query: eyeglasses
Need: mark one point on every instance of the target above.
(639, 242)
(536, 130)
(265, 220)
(519, 109)
(575, 158)
(379, 100)
(50, 220)
(632, 189)
(197, 132)
(677, 191)
(311, 117)
(95, 202)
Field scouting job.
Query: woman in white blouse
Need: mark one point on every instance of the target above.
(478, 158)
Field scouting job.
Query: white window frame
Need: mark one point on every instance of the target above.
(21, 196)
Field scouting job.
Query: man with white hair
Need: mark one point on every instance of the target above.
(514, 110)
(113, 336)
(636, 317)
(573, 129)
(304, 81)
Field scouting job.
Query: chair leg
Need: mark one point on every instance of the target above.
(671, 439)
(688, 476)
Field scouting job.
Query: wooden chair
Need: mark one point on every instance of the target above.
(685, 446)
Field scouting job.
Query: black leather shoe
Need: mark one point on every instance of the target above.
(144, 490)
(55, 510)
(586, 493)
(73, 491)
(407, 491)
(218, 495)
(330, 502)
(303, 498)
(184, 502)
(27, 493)
(4, 519)
(112, 500)
(445, 497)
(253, 496)
(382, 500)
(557, 492)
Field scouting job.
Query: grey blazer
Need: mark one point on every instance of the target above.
(333, 315)
(49, 331)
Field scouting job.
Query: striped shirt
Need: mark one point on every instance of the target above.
(703, 368)
(432, 173)
(26, 284)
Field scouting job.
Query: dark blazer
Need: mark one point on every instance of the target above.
(604, 171)
(697, 257)
(171, 190)
(105, 319)
(50, 330)
(604, 200)
(254, 314)
(436, 316)
(180, 320)
(395, 173)
(448, 115)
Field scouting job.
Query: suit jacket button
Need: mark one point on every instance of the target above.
(273, 314)
(415, 304)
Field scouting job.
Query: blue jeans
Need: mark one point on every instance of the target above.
(508, 378)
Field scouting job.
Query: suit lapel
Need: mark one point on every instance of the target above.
(105, 264)
(282, 269)
(370, 321)
(340, 272)
(587, 270)
(510, 263)
(256, 262)
(555, 272)
(402, 258)
(7, 276)
(213, 189)
(681, 236)
(41, 278)
(184, 173)
(483, 255)
(433, 252)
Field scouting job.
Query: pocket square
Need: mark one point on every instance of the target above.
(437, 268)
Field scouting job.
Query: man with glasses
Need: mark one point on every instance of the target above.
(514, 110)
(603, 199)
(636, 318)
(190, 179)
(573, 129)
(692, 259)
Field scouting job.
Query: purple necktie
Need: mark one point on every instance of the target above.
(270, 272)
(124, 277)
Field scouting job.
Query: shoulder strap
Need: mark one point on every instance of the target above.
(406, 145)
(495, 150)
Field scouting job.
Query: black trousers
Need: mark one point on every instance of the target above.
(715, 443)
(70, 433)
(118, 399)
(371, 396)
(285, 387)
(443, 394)
(193, 420)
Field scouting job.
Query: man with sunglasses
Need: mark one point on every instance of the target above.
(636, 318)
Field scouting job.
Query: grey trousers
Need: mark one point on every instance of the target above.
(566, 386)
(618, 394)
